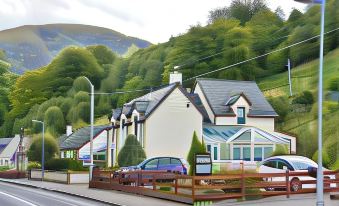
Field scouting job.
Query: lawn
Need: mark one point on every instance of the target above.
(304, 125)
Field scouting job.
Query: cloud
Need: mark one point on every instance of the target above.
(153, 20)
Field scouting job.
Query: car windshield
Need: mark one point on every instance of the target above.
(298, 165)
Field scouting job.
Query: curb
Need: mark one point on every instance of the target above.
(59, 191)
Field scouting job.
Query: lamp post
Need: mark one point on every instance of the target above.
(91, 132)
(320, 178)
(43, 149)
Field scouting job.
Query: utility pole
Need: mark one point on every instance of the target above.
(289, 76)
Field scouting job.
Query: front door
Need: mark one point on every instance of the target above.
(241, 115)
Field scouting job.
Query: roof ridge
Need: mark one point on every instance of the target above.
(226, 80)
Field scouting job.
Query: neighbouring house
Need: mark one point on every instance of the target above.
(240, 121)
(163, 121)
(8, 149)
(76, 145)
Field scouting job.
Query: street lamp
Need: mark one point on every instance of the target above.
(91, 133)
(320, 175)
(43, 149)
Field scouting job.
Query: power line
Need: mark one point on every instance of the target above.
(257, 57)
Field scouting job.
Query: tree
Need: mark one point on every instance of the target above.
(305, 98)
(51, 148)
(196, 147)
(334, 84)
(280, 150)
(55, 121)
(326, 158)
(131, 153)
(280, 13)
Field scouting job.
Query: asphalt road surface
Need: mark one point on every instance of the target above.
(13, 195)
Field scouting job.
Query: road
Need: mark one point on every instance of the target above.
(13, 195)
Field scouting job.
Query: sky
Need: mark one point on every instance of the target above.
(152, 20)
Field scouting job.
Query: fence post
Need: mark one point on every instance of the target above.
(153, 182)
(243, 194)
(193, 188)
(176, 184)
(288, 186)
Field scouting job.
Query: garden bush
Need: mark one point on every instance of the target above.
(131, 153)
(51, 148)
(196, 147)
(65, 164)
(33, 165)
(305, 98)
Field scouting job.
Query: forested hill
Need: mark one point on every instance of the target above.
(57, 94)
(33, 46)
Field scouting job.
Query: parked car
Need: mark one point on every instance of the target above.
(279, 164)
(170, 164)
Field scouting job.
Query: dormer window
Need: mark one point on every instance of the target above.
(241, 115)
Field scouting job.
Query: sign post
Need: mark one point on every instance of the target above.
(203, 164)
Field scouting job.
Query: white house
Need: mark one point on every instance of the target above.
(233, 117)
(163, 121)
(8, 149)
(240, 121)
(76, 145)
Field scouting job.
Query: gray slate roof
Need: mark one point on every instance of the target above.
(219, 91)
(146, 103)
(80, 137)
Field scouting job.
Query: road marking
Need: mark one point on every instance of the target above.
(21, 200)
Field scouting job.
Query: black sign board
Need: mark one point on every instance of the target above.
(203, 164)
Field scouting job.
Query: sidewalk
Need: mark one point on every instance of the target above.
(110, 197)
(301, 200)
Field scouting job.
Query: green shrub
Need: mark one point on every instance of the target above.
(326, 158)
(51, 148)
(280, 150)
(196, 147)
(334, 84)
(281, 106)
(65, 164)
(131, 153)
(33, 165)
(305, 98)
(55, 121)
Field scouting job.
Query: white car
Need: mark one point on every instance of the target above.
(279, 164)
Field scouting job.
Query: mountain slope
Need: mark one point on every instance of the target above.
(33, 46)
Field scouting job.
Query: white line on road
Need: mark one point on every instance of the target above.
(21, 200)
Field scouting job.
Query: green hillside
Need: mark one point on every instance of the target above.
(32, 46)
(304, 123)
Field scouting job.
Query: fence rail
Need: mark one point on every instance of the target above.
(189, 189)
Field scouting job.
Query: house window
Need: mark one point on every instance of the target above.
(224, 151)
(236, 153)
(241, 115)
(258, 154)
(215, 153)
(246, 153)
(136, 126)
(209, 148)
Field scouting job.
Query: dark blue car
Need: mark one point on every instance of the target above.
(171, 164)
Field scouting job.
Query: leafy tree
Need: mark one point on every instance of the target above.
(305, 98)
(295, 15)
(326, 158)
(281, 106)
(196, 147)
(103, 54)
(131, 153)
(51, 148)
(334, 84)
(280, 150)
(83, 111)
(280, 13)
(55, 121)
(81, 97)
(81, 84)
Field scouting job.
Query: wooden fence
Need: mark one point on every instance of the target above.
(190, 189)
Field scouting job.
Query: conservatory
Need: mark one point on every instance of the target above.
(234, 143)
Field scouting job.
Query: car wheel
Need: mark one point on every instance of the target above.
(296, 185)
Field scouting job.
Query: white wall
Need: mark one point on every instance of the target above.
(169, 129)
(98, 142)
